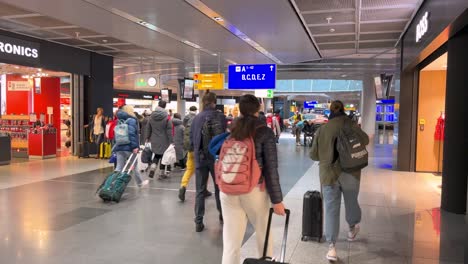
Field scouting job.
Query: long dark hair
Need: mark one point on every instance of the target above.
(244, 126)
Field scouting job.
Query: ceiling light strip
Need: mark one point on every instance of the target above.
(204, 9)
(147, 25)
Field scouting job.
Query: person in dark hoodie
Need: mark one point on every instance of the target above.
(159, 132)
(179, 140)
(124, 152)
(205, 126)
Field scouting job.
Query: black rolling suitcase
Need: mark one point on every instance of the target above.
(264, 259)
(312, 216)
(83, 149)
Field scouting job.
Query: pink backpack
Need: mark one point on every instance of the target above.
(237, 170)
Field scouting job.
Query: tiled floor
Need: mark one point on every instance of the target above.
(49, 214)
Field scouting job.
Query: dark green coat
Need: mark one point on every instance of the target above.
(323, 150)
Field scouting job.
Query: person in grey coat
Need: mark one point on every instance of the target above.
(159, 132)
(179, 140)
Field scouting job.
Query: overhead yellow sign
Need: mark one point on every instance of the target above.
(209, 81)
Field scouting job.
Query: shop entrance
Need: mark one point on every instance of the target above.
(431, 116)
(36, 111)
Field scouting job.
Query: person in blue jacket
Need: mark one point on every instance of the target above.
(123, 152)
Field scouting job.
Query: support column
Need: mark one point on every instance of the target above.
(267, 105)
(454, 175)
(180, 105)
(368, 105)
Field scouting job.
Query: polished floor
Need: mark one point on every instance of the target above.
(49, 214)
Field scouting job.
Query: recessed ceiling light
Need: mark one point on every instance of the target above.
(17, 67)
(219, 19)
(344, 75)
(104, 40)
(332, 30)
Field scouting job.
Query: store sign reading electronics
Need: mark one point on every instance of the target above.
(422, 27)
(17, 50)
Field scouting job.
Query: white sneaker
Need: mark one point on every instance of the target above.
(352, 233)
(145, 183)
(331, 255)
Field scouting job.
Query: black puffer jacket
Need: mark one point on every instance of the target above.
(267, 157)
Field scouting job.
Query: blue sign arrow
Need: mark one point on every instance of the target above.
(252, 76)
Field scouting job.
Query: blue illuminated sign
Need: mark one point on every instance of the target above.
(310, 104)
(252, 76)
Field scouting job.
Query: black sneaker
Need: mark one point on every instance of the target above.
(182, 193)
(199, 227)
(151, 174)
(207, 193)
(162, 177)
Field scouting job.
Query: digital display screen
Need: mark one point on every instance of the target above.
(188, 89)
(165, 95)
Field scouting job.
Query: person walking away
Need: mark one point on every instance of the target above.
(252, 203)
(273, 124)
(308, 130)
(298, 125)
(144, 123)
(206, 125)
(280, 119)
(159, 133)
(335, 182)
(124, 152)
(98, 128)
(179, 140)
(190, 163)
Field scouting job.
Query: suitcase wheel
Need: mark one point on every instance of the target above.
(303, 238)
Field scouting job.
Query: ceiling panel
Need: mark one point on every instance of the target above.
(338, 46)
(337, 28)
(5, 24)
(72, 32)
(336, 38)
(9, 10)
(313, 5)
(337, 17)
(379, 36)
(387, 56)
(382, 44)
(386, 3)
(71, 41)
(372, 27)
(96, 48)
(374, 50)
(386, 14)
(40, 33)
(278, 18)
(42, 21)
(104, 40)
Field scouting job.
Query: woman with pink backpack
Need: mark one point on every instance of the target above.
(247, 174)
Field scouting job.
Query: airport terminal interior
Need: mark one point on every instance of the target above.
(107, 109)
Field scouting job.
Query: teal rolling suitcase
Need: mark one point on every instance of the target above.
(113, 187)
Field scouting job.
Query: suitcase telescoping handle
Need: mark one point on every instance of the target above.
(132, 159)
(285, 236)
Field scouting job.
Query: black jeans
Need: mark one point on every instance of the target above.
(202, 173)
(156, 160)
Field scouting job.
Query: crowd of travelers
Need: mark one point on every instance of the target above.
(240, 196)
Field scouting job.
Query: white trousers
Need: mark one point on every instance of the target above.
(237, 209)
